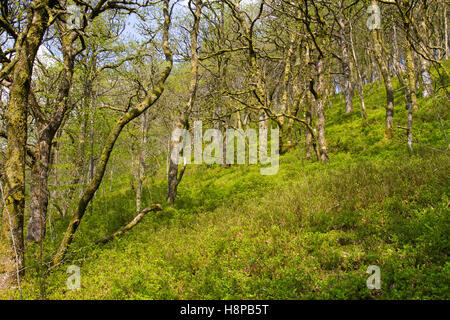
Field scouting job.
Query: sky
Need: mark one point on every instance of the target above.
(130, 33)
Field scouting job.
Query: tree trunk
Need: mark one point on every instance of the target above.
(411, 92)
(308, 135)
(384, 69)
(447, 50)
(347, 67)
(426, 78)
(284, 145)
(358, 72)
(39, 194)
(173, 177)
(398, 68)
(11, 235)
(320, 112)
(140, 161)
(13, 195)
(424, 65)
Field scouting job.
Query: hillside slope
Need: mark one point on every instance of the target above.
(309, 232)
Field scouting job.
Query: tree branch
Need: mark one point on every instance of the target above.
(155, 208)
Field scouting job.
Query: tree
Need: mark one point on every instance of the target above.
(174, 177)
(380, 54)
(18, 72)
(132, 113)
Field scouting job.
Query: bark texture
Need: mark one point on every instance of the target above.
(11, 235)
(48, 125)
(174, 177)
(384, 69)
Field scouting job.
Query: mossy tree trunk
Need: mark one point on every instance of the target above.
(174, 177)
(358, 73)
(285, 128)
(424, 66)
(319, 109)
(347, 64)
(11, 236)
(48, 125)
(411, 96)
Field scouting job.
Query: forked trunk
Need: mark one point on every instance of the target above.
(39, 194)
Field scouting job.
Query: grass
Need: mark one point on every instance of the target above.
(309, 232)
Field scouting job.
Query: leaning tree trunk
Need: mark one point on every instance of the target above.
(132, 224)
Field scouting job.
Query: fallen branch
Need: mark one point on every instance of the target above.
(136, 220)
(334, 207)
(400, 127)
(113, 108)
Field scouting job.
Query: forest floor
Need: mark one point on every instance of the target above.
(309, 232)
